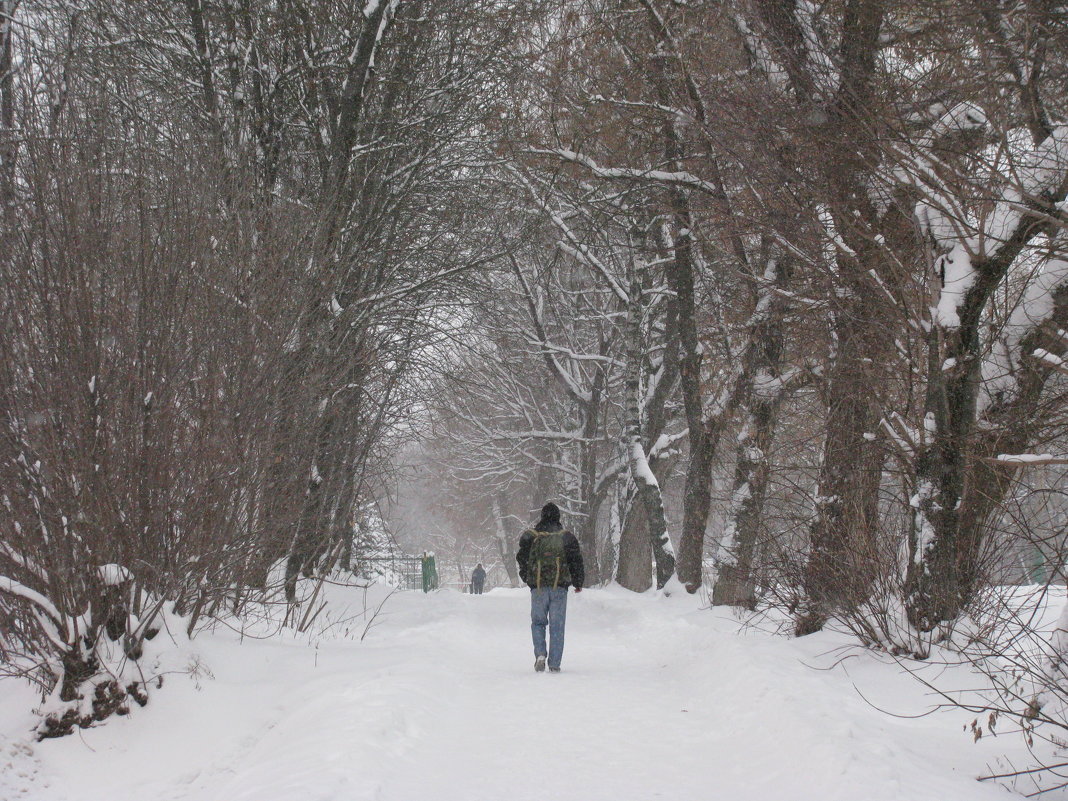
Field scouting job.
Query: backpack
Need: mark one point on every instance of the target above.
(547, 563)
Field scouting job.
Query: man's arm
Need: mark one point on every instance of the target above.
(573, 554)
(522, 554)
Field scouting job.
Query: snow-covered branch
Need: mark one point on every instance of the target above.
(680, 178)
(18, 590)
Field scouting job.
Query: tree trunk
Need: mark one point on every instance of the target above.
(842, 557)
(634, 563)
(762, 391)
(586, 531)
(955, 491)
(680, 272)
(648, 488)
(696, 502)
(703, 435)
(505, 543)
(959, 485)
(735, 584)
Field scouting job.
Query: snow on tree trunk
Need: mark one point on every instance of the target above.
(956, 492)
(762, 388)
(648, 487)
(735, 581)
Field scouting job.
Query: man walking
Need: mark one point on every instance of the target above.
(478, 579)
(550, 561)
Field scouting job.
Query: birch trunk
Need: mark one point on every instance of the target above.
(648, 488)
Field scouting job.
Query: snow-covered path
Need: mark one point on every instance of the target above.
(657, 700)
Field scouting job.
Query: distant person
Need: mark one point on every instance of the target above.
(478, 579)
(550, 561)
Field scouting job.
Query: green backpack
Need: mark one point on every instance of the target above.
(547, 564)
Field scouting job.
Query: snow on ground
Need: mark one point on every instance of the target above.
(658, 699)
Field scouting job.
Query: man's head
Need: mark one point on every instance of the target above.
(550, 513)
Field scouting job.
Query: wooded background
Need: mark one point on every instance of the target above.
(768, 295)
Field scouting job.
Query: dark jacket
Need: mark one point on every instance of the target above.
(572, 553)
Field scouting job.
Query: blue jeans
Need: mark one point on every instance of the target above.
(548, 607)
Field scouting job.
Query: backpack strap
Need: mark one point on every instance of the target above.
(537, 567)
(562, 533)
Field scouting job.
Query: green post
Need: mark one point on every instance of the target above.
(1038, 566)
(430, 572)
